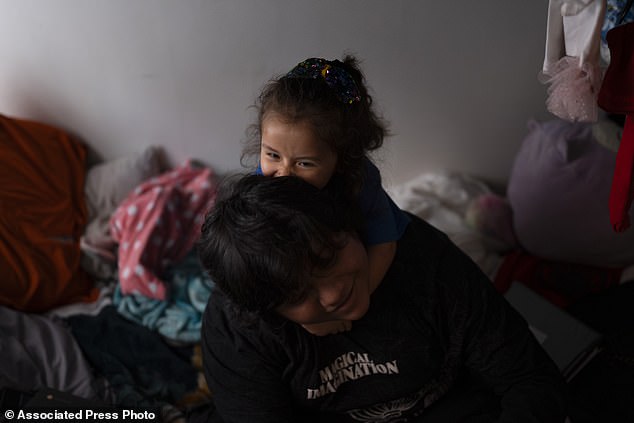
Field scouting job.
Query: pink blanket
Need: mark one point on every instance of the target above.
(158, 224)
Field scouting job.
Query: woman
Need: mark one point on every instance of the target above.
(434, 342)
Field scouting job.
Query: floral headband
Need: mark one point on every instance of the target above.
(337, 78)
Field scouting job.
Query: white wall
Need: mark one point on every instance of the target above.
(457, 80)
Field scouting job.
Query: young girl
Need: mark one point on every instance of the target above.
(317, 123)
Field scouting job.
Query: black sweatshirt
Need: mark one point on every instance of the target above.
(438, 343)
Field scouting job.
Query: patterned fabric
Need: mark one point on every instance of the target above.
(613, 12)
(179, 318)
(157, 225)
(337, 78)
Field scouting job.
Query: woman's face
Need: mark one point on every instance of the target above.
(292, 149)
(340, 292)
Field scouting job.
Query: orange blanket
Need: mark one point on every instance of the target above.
(42, 216)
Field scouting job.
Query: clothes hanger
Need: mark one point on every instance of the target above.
(626, 9)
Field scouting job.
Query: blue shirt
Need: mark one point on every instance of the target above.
(384, 220)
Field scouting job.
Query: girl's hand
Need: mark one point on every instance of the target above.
(328, 328)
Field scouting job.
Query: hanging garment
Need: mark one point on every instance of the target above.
(617, 12)
(572, 61)
(617, 96)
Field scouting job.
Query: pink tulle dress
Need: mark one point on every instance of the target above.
(572, 68)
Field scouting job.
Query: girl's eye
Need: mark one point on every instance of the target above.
(272, 155)
(305, 164)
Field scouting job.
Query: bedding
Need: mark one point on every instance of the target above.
(179, 318)
(140, 368)
(42, 217)
(157, 224)
(60, 327)
(33, 342)
(107, 185)
(445, 199)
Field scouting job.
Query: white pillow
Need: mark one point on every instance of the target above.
(109, 183)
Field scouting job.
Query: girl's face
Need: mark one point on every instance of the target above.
(340, 292)
(292, 149)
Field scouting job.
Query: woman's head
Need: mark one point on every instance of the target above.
(272, 243)
(330, 100)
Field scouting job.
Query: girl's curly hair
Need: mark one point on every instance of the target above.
(350, 129)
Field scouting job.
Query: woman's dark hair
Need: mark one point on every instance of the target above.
(264, 236)
(350, 129)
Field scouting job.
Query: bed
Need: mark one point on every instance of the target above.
(103, 292)
(66, 322)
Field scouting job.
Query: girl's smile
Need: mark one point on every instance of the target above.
(292, 149)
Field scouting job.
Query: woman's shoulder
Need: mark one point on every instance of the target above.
(421, 237)
(423, 255)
